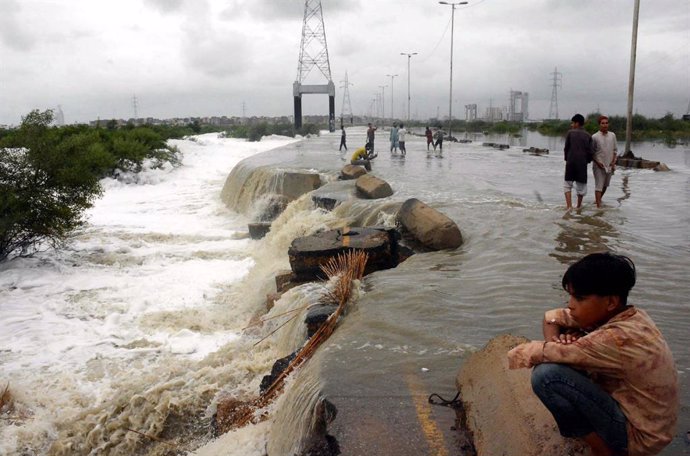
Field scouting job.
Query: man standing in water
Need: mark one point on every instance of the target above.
(439, 140)
(605, 154)
(577, 153)
(342, 139)
(370, 137)
(429, 138)
(394, 138)
(401, 137)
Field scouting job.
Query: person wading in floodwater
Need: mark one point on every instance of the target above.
(605, 154)
(371, 133)
(342, 140)
(577, 153)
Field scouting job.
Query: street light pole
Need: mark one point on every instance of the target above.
(409, 56)
(383, 102)
(452, 29)
(631, 80)
(392, 111)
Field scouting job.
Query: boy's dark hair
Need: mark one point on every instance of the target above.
(602, 274)
(578, 119)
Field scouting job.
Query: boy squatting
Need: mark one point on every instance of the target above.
(604, 370)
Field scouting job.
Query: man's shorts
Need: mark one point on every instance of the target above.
(601, 178)
(580, 187)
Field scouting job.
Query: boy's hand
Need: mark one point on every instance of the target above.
(567, 337)
(526, 355)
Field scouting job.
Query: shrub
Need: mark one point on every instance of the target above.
(44, 188)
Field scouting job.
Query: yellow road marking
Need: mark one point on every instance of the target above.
(432, 433)
(346, 238)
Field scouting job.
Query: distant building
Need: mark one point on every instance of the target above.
(518, 109)
(59, 116)
(471, 112)
(493, 114)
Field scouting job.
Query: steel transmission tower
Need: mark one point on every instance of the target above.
(135, 107)
(346, 110)
(313, 53)
(557, 80)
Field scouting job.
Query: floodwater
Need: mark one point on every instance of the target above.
(140, 321)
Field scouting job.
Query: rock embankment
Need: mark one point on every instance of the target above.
(502, 413)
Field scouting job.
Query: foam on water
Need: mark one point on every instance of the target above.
(132, 300)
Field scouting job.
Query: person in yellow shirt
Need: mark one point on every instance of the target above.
(360, 154)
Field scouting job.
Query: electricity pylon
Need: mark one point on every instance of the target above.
(313, 54)
(556, 83)
(346, 109)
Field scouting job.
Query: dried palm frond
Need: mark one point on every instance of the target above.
(5, 397)
(345, 268)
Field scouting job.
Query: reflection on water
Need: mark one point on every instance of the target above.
(580, 235)
(625, 186)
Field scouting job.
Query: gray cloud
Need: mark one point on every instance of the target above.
(12, 34)
(165, 6)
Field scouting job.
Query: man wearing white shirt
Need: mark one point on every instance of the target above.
(604, 162)
(401, 139)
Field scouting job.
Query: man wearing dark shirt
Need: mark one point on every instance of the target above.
(578, 152)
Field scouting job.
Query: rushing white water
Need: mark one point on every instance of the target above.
(138, 291)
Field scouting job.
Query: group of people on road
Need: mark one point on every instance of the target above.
(397, 138)
(434, 138)
(581, 149)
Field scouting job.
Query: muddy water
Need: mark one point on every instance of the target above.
(423, 317)
(140, 322)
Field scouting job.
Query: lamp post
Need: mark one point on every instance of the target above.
(383, 102)
(631, 79)
(452, 27)
(409, 56)
(392, 76)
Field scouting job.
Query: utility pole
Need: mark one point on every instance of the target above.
(556, 83)
(409, 56)
(392, 76)
(383, 101)
(452, 29)
(631, 81)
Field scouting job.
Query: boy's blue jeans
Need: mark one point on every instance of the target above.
(580, 406)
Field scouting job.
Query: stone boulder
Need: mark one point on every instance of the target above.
(295, 184)
(278, 367)
(639, 162)
(502, 414)
(307, 254)
(258, 230)
(371, 187)
(428, 226)
(365, 163)
(352, 172)
(271, 207)
(316, 316)
(333, 193)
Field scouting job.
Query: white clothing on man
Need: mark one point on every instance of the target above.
(605, 147)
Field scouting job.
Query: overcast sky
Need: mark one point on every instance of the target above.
(212, 57)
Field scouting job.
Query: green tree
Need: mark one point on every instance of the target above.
(45, 185)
